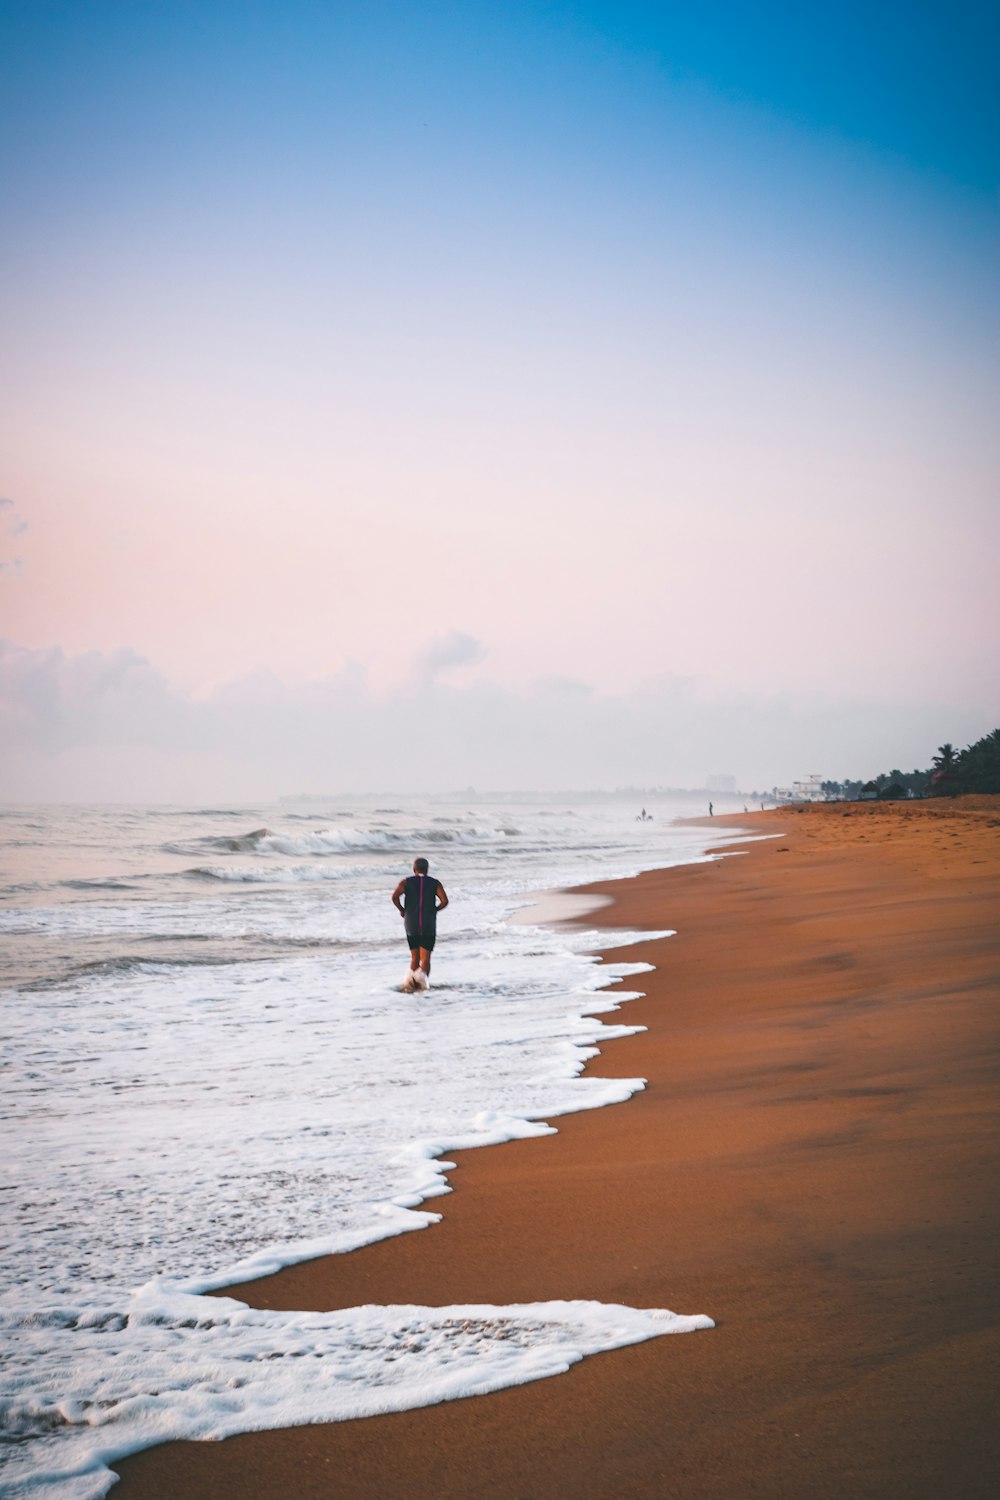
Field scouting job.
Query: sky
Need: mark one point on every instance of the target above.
(421, 395)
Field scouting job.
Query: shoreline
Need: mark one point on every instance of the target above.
(811, 1165)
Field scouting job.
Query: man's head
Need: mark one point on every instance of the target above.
(420, 867)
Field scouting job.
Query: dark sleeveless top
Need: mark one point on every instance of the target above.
(420, 905)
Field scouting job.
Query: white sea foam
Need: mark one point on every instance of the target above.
(245, 1370)
(303, 1119)
(174, 1125)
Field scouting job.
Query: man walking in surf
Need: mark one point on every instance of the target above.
(418, 898)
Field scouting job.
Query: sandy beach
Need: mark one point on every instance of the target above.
(813, 1164)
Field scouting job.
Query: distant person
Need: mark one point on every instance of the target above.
(711, 810)
(418, 898)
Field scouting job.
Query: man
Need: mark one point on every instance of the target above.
(418, 898)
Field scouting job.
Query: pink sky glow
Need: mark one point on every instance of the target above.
(631, 385)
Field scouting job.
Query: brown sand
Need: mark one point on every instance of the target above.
(813, 1164)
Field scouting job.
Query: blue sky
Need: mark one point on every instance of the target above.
(910, 79)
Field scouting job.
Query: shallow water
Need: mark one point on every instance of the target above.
(210, 1071)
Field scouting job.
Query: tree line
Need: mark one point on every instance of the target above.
(951, 773)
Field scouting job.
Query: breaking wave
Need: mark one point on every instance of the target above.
(276, 874)
(99, 885)
(326, 841)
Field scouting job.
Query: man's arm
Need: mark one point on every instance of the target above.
(442, 899)
(397, 897)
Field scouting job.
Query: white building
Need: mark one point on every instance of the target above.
(809, 789)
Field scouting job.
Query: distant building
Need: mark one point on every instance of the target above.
(809, 789)
(869, 792)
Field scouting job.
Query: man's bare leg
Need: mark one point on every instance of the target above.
(419, 975)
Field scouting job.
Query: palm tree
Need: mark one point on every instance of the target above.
(945, 758)
(977, 768)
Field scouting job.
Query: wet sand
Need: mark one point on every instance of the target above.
(813, 1164)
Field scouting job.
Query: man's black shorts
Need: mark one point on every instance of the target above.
(423, 940)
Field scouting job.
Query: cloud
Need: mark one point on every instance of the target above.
(109, 726)
(15, 526)
(453, 649)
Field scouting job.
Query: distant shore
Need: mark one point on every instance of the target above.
(813, 1164)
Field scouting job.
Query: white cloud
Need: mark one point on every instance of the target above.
(108, 725)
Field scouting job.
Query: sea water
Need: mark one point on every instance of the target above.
(211, 1072)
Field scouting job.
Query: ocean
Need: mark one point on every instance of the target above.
(210, 1072)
